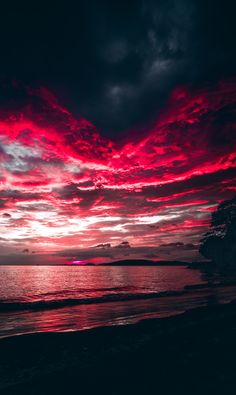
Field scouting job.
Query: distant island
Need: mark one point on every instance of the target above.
(52, 260)
(147, 262)
(144, 262)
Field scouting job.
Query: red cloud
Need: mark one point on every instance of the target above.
(61, 179)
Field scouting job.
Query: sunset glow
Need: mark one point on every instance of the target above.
(64, 185)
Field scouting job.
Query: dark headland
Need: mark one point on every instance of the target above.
(15, 261)
(199, 265)
(192, 353)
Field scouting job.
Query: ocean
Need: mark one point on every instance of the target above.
(69, 298)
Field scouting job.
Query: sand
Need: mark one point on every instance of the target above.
(192, 353)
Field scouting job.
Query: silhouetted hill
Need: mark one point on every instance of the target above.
(144, 262)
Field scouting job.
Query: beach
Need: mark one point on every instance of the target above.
(190, 353)
(56, 299)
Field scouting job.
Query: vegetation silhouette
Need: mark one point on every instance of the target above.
(219, 243)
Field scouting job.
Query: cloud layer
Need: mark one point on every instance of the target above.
(116, 62)
(62, 184)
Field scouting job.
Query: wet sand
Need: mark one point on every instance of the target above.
(192, 353)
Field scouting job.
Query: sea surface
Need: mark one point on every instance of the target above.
(69, 298)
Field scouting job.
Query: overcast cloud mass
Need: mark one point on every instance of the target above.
(117, 122)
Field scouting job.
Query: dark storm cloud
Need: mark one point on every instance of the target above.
(155, 76)
(2, 203)
(107, 60)
(9, 194)
(203, 182)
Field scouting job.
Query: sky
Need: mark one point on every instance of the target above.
(117, 123)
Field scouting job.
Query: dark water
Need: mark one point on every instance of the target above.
(65, 298)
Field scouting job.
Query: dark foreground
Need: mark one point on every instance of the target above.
(193, 353)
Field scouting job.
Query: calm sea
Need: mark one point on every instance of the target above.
(67, 298)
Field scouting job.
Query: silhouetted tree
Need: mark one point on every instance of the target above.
(219, 244)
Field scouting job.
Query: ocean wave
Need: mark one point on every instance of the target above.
(65, 292)
(6, 306)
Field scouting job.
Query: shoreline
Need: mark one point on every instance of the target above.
(196, 342)
(77, 315)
